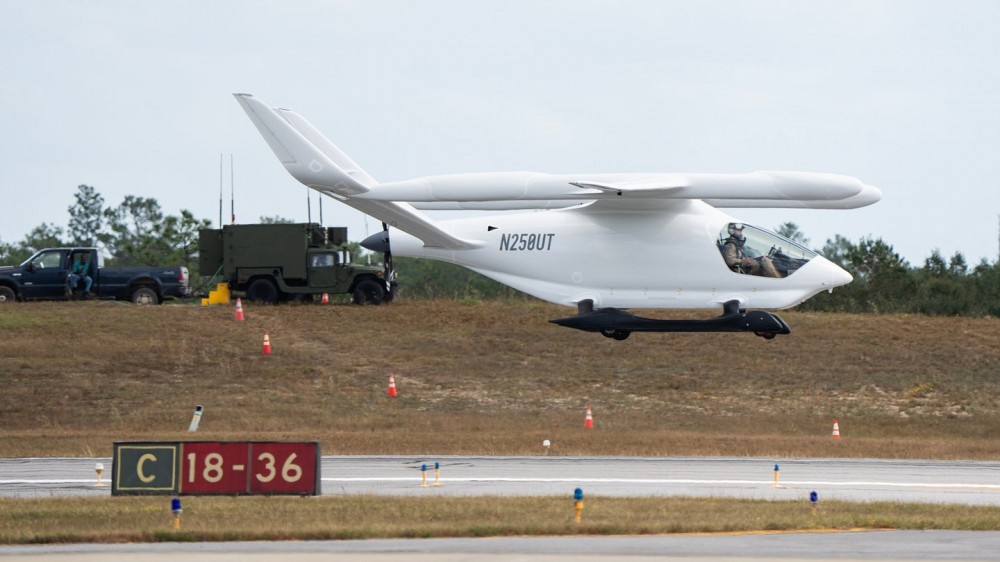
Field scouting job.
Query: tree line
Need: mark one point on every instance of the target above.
(137, 232)
(134, 233)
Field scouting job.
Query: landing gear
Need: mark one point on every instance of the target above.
(619, 324)
(615, 334)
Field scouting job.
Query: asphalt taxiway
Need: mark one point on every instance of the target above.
(959, 482)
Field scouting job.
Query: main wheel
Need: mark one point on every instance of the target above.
(7, 295)
(145, 295)
(262, 290)
(368, 292)
(615, 334)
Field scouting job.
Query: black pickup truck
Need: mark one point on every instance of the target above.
(46, 275)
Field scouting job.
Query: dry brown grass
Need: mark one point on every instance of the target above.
(493, 378)
(358, 517)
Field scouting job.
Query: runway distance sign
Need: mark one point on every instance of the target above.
(217, 468)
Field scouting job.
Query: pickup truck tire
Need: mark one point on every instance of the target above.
(262, 290)
(7, 295)
(368, 292)
(145, 295)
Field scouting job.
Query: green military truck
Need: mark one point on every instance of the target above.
(279, 262)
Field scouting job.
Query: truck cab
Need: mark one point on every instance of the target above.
(46, 275)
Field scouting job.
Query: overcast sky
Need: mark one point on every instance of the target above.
(134, 98)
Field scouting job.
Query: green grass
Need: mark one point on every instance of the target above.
(32, 521)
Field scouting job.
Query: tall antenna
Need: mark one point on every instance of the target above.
(220, 190)
(320, 199)
(309, 212)
(232, 189)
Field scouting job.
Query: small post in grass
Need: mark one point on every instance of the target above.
(99, 468)
(175, 508)
(196, 418)
(423, 476)
(776, 470)
(546, 444)
(437, 473)
(813, 499)
(578, 503)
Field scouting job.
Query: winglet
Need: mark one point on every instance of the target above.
(303, 159)
(316, 162)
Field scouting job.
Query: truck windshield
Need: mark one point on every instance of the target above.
(323, 260)
(45, 260)
(751, 250)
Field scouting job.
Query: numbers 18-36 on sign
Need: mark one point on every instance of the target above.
(226, 468)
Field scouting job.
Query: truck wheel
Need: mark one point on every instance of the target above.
(262, 290)
(145, 295)
(368, 292)
(7, 295)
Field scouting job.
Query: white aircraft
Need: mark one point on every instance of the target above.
(597, 242)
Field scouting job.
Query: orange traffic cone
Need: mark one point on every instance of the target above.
(267, 345)
(325, 299)
(836, 430)
(392, 386)
(239, 309)
(588, 422)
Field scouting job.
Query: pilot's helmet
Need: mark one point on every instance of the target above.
(736, 229)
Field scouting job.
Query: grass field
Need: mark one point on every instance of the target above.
(362, 517)
(493, 378)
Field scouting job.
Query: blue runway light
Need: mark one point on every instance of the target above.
(578, 494)
(813, 497)
(175, 506)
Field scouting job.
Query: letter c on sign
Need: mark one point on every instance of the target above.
(138, 468)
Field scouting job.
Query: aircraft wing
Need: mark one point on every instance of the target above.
(317, 163)
(524, 190)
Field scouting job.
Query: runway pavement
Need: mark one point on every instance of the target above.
(962, 482)
(870, 545)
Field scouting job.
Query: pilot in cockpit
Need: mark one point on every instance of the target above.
(736, 258)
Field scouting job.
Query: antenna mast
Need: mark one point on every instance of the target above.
(220, 190)
(232, 190)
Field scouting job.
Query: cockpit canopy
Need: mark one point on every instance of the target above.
(751, 250)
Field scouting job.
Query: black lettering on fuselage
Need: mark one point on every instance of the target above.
(524, 242)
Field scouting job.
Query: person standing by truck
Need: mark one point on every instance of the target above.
(81, 270)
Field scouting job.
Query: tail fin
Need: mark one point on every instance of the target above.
(330, 150)
(315, 162)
